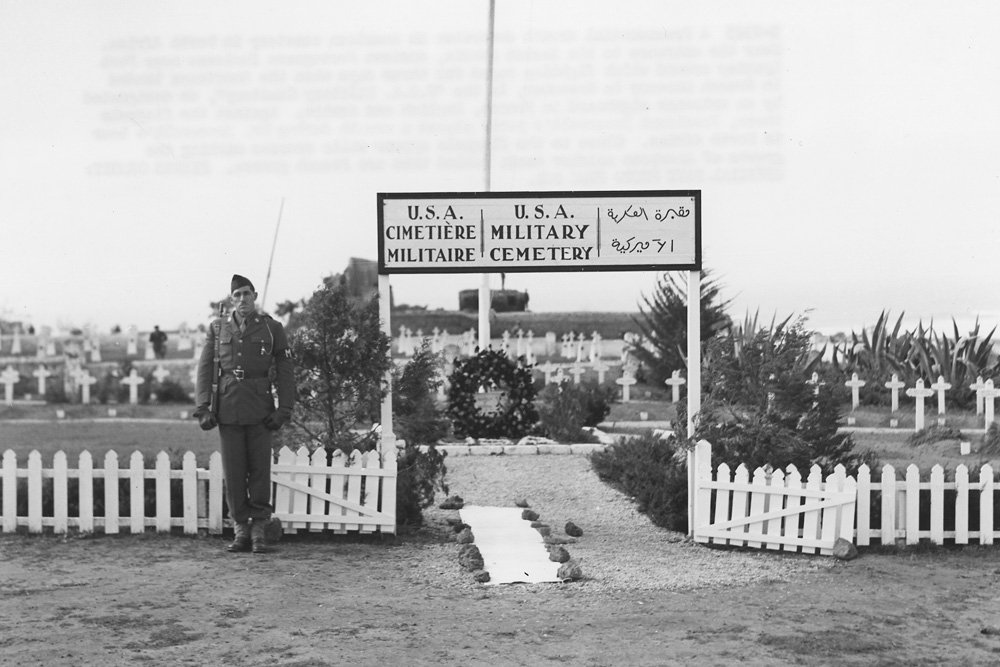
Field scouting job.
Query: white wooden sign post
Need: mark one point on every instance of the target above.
(511, 232)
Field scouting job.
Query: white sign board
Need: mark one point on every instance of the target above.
(539, 231)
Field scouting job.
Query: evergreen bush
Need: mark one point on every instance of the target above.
(652, 471)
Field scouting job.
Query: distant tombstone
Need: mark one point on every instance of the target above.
(50, 347)
(566, 352)
(161, 374)
(601, 367)
(42, 373)
(132, 342)
(920, 393)
(15, 347)
(977, 387)
(894, 385)
(529, 355)
(9, 378)
(85, 380)
(855, 384)
(989, 395)
(626, 381)
(595, 346)
(148, 352)
(436, 343)
(469, 340)
(559, 377)
(184, 339)
(940, 387)
(579, 346)
(520, 343)
(505, 343)
(42, 344)
(675, 381)
(576, 370)
(133, 381)
(547, 369)
(529, 343)
(550, 343)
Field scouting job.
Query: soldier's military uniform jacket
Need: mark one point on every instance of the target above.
(252, 362)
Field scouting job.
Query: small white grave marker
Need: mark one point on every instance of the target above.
(894, 385)
(579, 346)
(675, 381)
(132, 343)
(161, 374)
(85, 379)
(989, 395)
(920, 393)
(855, 384)
(940, 387)
(601, 367)
(133, 381)
(626, 381)
(548, 368)
(9, 378)
(184, 339)
(41, 373)
(576, 371)
(15, 348)
(977, 387)
(567, 346)
(595, 346)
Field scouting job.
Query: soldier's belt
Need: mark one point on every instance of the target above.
(241, 374)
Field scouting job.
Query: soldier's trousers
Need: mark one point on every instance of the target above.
(246, 465)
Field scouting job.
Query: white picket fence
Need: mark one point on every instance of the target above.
(781, 510)
(899, 504)
(355, 492)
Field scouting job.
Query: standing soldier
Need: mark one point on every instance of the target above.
(244, 356)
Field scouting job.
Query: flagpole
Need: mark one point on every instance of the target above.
(484, 286)
(271, 261)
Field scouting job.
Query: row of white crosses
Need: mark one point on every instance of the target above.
(519, 344)
(985, 395)
(10, 377)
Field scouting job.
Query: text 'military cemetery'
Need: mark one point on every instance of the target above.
(539, 231)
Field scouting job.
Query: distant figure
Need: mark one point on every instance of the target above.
(159, 341)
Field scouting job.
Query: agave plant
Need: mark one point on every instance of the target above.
(958, 360)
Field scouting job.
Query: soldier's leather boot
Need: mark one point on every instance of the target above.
(241, 542)
(258, 536)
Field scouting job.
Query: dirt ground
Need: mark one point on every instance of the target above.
(333, 600)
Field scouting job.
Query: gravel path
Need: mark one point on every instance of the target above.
(620, 550)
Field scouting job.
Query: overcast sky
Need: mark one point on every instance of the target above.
(848, 153)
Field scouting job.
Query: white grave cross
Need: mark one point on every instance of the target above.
(576, 371)
(133, 381)
(547, 368)
(601, 367)
(855, 384)
(977, 387)
(920, 393)
(989, 394)
(85, 379)
(9, 378)
(41, 373)
(940, 387)
(626, 381)
(675, 381)
(894, 385)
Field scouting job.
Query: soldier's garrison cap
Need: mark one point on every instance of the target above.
(238, 282)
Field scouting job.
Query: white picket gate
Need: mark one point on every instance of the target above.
(355, 492)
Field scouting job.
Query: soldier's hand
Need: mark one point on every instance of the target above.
(206, 420)
(277, 419)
